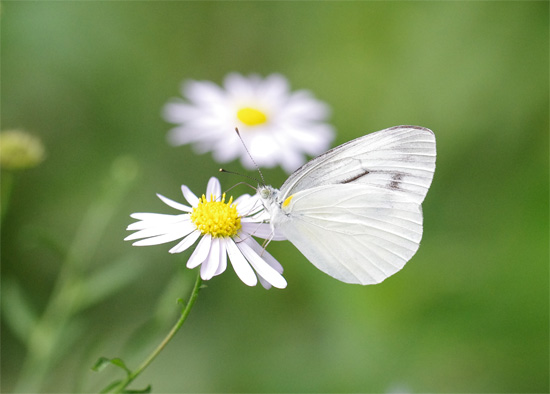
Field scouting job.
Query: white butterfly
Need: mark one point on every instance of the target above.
(355, 211)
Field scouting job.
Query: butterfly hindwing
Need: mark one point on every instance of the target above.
(355, 233)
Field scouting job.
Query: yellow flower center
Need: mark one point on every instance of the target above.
(217, 218)
(251, 116)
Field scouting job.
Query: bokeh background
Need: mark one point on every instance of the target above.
(468, 314)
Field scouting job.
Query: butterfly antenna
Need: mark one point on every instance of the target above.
(249, 155)
(243, 175)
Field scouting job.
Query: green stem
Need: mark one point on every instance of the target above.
(185, 312)
(5, 195)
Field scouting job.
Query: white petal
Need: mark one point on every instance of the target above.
(174, 204)
(177, 111)
(213, 189)
(189, 196)
(264, 254)
(291, 160)
(223, 257)
(201, 252)
(147, 220)
(203, 93)
(207, 144)
(268, 259)
(179, 230)
(262, 268)
(227, 150)
(242, 199)
(161, 239)
(240, 87)
(263, 147)
(212, 262)
(248, 205)
(261, 230)
(275, 88)
(187, 134)
(150, 216)
(186, 242)
(303, 106)
(239, 263)
(313, 139)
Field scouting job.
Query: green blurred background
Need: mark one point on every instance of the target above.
(469, 313)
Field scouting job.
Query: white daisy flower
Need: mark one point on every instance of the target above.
(224, 228)
(277, 126)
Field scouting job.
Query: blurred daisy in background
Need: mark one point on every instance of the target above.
(20, 150)
(225, 228)
(279, 127)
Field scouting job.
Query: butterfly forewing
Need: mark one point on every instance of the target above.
(401, 159)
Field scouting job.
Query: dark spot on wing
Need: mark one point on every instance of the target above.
(356, 177)
(395, 179)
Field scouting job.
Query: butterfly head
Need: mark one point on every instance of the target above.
(268, 195)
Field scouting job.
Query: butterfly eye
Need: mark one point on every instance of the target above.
(265, 193)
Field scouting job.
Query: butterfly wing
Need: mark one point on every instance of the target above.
(353, 232)
(400, 158)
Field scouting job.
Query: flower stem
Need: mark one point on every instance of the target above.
(185, 312)
(5, 189)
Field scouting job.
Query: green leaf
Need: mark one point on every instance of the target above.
(102, 362)
(145, 390)
(119, 363)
